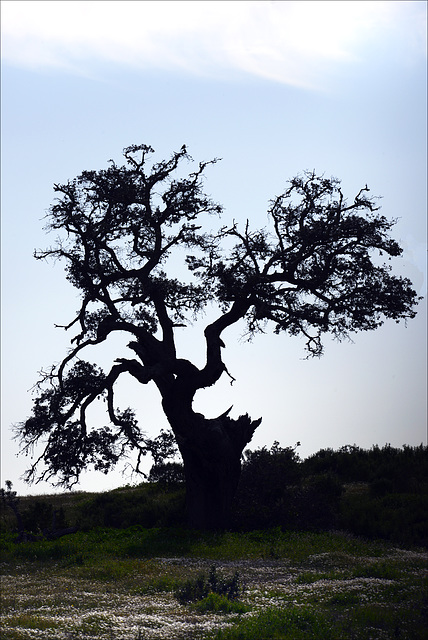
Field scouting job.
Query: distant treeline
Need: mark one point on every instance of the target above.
(376, 493)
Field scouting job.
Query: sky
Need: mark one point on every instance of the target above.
(271, 88)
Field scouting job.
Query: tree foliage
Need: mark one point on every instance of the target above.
(121, 232)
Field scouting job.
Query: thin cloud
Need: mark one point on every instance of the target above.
(288, 42)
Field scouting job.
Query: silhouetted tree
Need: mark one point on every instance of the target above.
(312, 273)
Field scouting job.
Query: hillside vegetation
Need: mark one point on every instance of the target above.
(376, 493)
(305, 559)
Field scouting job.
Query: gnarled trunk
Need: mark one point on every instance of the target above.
(211, 451)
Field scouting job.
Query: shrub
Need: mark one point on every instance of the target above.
(317, 503)
(217, 603)
(167, 473)
(202, 586)
(274, 491)
(277, 489)
(401, 518)
(148, 505)
(264, 496)
(403, 469)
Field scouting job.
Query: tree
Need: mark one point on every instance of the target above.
(122, 232)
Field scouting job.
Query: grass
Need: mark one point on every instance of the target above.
(217, 603)
(286, 624)
(31, 621)
(120, 584)
(136, 542)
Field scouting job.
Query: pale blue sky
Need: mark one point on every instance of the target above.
(272, 88)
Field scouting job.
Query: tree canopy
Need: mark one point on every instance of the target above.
(122, 232)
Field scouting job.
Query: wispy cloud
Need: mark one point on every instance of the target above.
(288, 42)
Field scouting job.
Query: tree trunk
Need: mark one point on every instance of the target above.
(211, 451)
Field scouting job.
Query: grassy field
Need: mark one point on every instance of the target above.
(340, 553)
(126, 584)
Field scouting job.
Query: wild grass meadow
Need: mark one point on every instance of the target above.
(155, 579)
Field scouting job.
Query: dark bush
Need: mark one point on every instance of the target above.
(200, 587)
(264, 496)
(401, 518)
(381, 492)
(406, 469)
(167, 473)
(274, 491)
(149, 505)
(317, 503)
(381, 487)
(42, 516)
